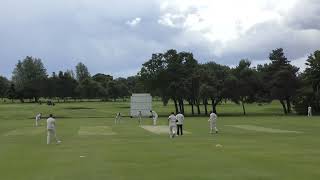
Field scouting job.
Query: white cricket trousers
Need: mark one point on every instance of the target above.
(309, 113)
(213, 126)
(155, 121)
(172, 130)
(51, 134)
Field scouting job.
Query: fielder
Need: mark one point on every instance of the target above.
(140, 118)
(213, 122)
(118, 118)
(154, 117)
(51, 130)
(38, 118)
(172, 125)
(309, 111)
(180, 118)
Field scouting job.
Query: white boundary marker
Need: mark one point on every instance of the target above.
(160, 129)
(96, 131)
(262, 129)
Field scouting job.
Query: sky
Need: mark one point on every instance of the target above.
(116, 36)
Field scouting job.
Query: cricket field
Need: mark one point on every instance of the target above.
(264, 145)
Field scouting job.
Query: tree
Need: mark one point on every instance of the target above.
(90, 89)
(284, 80)
(65, 85)
(154, 76)
(135, 84)
(309, 92)
(12, 92)
(82, 72)
(246, 84)
(4, 86)
(216, 77)
(27, 75)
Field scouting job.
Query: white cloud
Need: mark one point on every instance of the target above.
(222, 20)
(134, 22)
(96, 31)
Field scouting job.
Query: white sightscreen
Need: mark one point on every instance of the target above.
(141, 102)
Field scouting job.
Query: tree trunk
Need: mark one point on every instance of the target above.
(205, 102)
(198, 107)
(244, 109)
(284, 107)
(182, 105)
(288, 106)
(192, 107)
(175, 105)
(213, 103)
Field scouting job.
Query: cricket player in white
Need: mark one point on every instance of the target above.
(180, 118)
(154, 117)
(140, 118)
(172, 125)
(118, 118)
(38, 118)
(213, 122)
(309, 111)
(51, 130)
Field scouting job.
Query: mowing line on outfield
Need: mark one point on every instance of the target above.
(28, 131)
(262, 129)
(160, 129)
(96, 130)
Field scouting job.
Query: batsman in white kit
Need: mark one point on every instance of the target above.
(154, 117)
(213, 122)
(180, 118)
(309, 111)
(172, 125)
(51, 130)
(38, 118)
(118, 118)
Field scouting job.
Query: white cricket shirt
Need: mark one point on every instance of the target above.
(51, 123)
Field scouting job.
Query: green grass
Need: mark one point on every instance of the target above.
(132, 153)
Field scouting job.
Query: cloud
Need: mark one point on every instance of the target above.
(134, 22)
(116, 36)
(305, 15)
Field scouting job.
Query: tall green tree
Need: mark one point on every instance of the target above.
(11, 94)
(4, 86)
(309, 92)
(27, 75)
(154, 76)
(284, 80)
(82, 72)
(216, 78)
(246, 84)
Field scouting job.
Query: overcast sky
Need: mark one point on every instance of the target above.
(116, 36)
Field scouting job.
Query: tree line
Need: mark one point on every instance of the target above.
(179, 77)
(31, 81)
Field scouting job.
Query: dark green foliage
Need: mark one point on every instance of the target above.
(309, 93)
(4, 86)
(27, 77)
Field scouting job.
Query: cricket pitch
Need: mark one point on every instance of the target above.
(262, 129)
(160, 129)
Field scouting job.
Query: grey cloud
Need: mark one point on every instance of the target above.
(63, 33)
(305, 15)
(257, 43)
